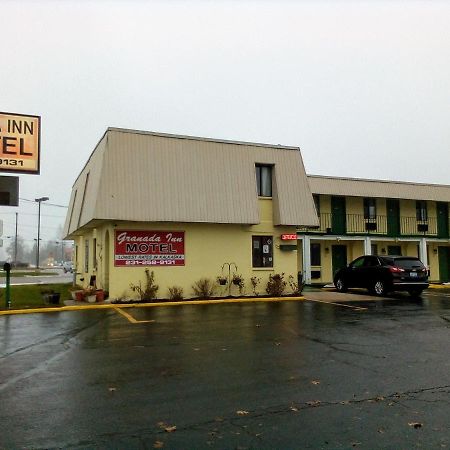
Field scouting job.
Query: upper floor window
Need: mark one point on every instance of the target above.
(264, 180)
(370, 208)
(421, 210)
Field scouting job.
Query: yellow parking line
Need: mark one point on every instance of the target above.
(130, 317)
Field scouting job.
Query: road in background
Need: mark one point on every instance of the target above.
(61, 277)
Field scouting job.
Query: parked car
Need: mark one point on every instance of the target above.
(383, 274)
(67, 266)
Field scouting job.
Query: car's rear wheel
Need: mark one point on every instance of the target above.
(379, 288)
(340, 285)
(415, 292)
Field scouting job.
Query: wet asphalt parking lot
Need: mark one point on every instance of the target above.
(288, 375)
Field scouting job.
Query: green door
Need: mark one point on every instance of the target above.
(338, 257)
(444, 263)
(442, 219)
(338, 221)
(393, 217)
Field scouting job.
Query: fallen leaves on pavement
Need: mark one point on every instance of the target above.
(313, 403)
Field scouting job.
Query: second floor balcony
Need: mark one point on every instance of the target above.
(357, 224)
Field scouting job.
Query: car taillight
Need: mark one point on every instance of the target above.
(395, 269)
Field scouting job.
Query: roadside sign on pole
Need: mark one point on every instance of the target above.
(20, 143)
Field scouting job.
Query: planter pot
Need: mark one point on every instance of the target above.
(222, 282)
(79, 296)
(91, 298)
(73, 294)
(54, 298)
(100, 295)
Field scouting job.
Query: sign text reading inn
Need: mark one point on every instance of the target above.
(149, 248)
(19, 143)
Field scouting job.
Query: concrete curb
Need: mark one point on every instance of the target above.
(149, 305)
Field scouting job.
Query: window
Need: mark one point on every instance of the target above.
(358, 262)
(262, 251)
(315, 255)
(264, 180)
(421, 210)
(86, 255)
(370, 208)
(94, 254)
(371, 261)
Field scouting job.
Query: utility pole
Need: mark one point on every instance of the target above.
(39, 201)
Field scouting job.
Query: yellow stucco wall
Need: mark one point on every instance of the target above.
(207, 248)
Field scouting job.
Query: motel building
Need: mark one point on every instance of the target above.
(362, 217)
(187, 208)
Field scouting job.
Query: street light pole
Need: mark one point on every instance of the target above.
(15, 242)
(39, 201)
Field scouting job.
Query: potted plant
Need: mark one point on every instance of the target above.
(90, 294)
(77, 293)
(222, 280)
(238, 280)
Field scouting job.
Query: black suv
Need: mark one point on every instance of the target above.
(383, 274)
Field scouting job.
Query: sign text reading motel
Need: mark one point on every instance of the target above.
(148, 248)
(19, 143)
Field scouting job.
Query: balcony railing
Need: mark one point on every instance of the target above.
(357, 224)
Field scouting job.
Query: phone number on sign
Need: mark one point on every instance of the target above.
(11, 162)
(151, 263)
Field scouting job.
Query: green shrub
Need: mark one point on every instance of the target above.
(254, 282)
(296, 288)
(203, 288)
(176, 293)
(150, 290)
(276, 285)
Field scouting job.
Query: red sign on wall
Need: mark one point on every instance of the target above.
(148, 248)
(288, 237)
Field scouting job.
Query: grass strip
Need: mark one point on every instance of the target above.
(30, 295)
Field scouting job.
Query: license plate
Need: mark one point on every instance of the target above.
(413, 274)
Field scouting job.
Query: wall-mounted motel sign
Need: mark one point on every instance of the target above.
(148, 248)
(20, 141)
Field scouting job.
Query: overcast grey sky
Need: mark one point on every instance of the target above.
(363, 87)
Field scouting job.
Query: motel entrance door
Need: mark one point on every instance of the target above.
(338, 257)
(444, 263)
